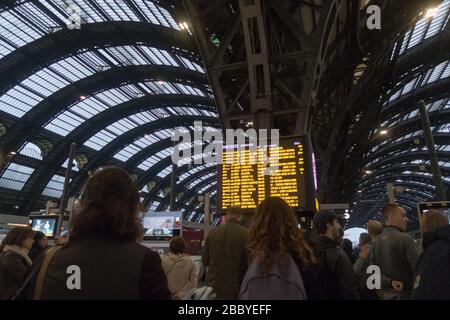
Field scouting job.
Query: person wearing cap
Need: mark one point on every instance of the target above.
(336, 269)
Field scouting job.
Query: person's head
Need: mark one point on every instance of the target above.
(234, 213)
(432, 220)
(374, 228)
(395, 215)
(364, 238)
(347, 245)
(19, 236)
(177, 245)
(109, 206)
(274, 233)
(327, 224)
(40, 240)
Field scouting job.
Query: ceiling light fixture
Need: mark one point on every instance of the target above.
(431, 12)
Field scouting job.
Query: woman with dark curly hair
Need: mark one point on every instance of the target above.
(283, 265)
(103, 259)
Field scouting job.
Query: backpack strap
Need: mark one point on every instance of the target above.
(43, 271)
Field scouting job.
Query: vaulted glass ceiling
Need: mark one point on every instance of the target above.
(399, 154)
(76, 97)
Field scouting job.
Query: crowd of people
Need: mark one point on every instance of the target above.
(271, 259)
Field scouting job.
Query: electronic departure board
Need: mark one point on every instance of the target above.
(249, 175)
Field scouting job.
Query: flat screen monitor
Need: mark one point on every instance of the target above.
(424, 207)
(161, 226)
(45, 224)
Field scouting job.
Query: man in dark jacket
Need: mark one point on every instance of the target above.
(225, 255)
(337, 270)
(395, 253)
(433, 281)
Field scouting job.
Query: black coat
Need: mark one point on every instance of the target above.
(434, 268)
(336, 270)
(110, 269)
(13, 271)
(35, 252)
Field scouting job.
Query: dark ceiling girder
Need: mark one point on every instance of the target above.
(146, 153)
(193, 205)
(407, 157)
(47, 109)
(411, 177)
(182, 185)
(408, 102)
(439, 139)
(36, 55)
(131, 135)
(36, 183)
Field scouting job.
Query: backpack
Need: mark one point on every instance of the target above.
(283, 282)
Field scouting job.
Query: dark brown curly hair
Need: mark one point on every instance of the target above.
(274, 233)
(109, 206)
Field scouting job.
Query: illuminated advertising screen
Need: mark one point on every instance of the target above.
(161, 225)
(44, 224)
(283, 170)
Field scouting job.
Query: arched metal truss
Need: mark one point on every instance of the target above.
(399, 155)
(117, 87)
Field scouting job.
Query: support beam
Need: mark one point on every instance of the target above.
(441, 196)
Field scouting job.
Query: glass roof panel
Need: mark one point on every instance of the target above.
(54, 187)
(31, 150)
(15, 176)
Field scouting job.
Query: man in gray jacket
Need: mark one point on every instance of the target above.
(225, 255)
(395, 253)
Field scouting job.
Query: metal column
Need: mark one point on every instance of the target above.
(440, 191)
(258, 61)
(63, 201)
(173, 185)
(207, 218)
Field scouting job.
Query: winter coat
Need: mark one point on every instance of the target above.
(14, 267)
(181, 273)
(336, 270)
(433, 280)
(35, 252)
(109, 268)
(394, 252)
(225, 255)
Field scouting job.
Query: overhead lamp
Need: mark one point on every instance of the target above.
(13, 153)
(17, 225)
(359, 191)
(160, 82)
(183, 25)
(368, 172)
(383, 132)
(83, 97)
(431, 12)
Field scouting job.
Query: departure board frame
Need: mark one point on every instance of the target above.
(239, 175)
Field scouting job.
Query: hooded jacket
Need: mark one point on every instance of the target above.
(181, 273)
(433, 280)
(14, 267)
